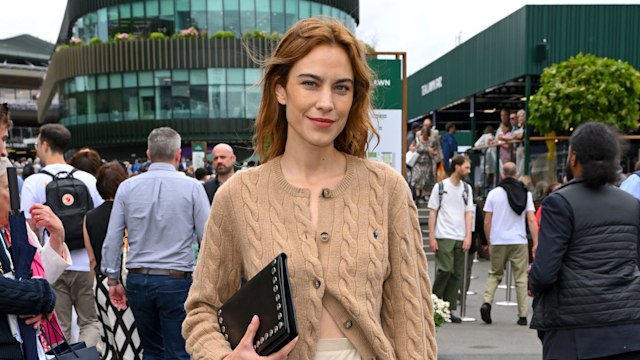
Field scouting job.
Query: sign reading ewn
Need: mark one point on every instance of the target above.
(432, 85)
(382, 82)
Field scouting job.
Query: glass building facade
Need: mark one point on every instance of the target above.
(216, 93)
(111, 94)
(171, 16)
(212, 93)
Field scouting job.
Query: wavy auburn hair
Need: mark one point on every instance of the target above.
(270, 136)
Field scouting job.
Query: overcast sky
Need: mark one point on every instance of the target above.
(424, 29)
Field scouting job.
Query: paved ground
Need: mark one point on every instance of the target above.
(501, 340)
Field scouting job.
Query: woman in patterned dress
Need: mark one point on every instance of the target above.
(119, 335)
(424, 171)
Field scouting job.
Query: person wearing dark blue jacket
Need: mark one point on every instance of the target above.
(585, 278)
(23, 297)
(449, 146)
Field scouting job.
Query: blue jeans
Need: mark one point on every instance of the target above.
(157, 302)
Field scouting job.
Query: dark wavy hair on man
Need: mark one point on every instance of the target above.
(597, 149)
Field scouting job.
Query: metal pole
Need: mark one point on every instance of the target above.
(471, 276)
(485, 170)
(472, 116)
(527, 128)
(508, 301)
(504, 286)
(463, 293)
(496, 176)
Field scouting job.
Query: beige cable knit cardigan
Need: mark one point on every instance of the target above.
(364, 262)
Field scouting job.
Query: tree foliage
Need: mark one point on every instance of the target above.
(586, 88)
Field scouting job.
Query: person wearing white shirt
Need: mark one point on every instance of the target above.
(74, 287)
(488, 160)
(450, 226)
(506, 209)
(632, 183)
(518, 134)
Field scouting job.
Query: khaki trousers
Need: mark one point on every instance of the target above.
(518, 255)
(450, 266)
(336, 349)
(75, 289)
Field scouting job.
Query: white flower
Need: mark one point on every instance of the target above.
(441, 312)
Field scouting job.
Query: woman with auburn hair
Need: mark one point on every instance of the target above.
(348, 225)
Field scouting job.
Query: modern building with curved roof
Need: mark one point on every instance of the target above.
(23, 64)
(123, 68)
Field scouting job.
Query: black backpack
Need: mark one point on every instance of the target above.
(70, 200)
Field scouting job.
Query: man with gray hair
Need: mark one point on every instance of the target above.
(164, 213)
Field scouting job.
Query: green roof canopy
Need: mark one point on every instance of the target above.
(494, 64)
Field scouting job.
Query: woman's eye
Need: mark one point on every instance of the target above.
(309, 83)
(343, 88)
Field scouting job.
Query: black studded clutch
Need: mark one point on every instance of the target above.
(268, 295)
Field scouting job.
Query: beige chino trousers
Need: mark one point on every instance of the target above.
(518, 256)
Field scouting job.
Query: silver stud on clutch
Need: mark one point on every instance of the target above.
(226, 336)
(280, 324)
(278, 306)
(224, 329)
(220, 319)
(220, 312)
(266, 336)
(275, 279)
(270, 332)
(275, 288)
(273, 271)
(279, 316)
(275, 261)
(277, 297)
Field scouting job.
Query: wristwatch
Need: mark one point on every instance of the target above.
(113, 281)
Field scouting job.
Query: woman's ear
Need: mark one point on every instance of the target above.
(281, 94)
(572, 159)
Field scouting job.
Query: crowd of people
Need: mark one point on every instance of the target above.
(79, 276)
(435, 151)
(577, 254)
(147, 255)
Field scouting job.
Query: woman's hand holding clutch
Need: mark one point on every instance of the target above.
(245, 350)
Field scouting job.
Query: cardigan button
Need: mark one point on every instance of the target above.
(316, 284)
(348, 324)
(326, 193)
(324, 236)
